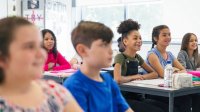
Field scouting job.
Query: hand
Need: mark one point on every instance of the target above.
(175, 70)
(76, 66)
(137, 77)
(50, 65)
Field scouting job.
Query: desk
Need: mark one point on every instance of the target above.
(159, 91)
(58, 76)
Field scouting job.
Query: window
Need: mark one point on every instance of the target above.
(109, 15)
(148, 15)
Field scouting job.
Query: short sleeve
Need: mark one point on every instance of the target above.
(59, 92)
(120, 104)
(119, 58)
(79, 93)
(172, 58)
(140, 59)
(198, 61)
(181, 58)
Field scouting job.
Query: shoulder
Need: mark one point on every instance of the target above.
(119, 56)
(51, 88)
(152, 51)
(182, 52)
(138, 56)
(76, 82)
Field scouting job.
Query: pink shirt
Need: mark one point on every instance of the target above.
(60, 62)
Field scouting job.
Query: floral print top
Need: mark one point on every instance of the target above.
(56, 99)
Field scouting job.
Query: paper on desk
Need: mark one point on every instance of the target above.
(155, 82)
(59, 73)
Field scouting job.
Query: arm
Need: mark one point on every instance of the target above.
(129, 110)
(72, 106)
(178, 66)
(63, 63)
(151, 73)
(155, 63)
(182, 59)
(122, 79)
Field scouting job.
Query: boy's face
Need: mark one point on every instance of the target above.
(99, 55)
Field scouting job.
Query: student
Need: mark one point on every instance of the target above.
(55, 60)
(21, 66)
(95, 91)
(126, 63)
(190, 59)
(188, 55)
(157, 58)
(76, 61)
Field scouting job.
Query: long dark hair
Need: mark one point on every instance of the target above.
(185, 43)
(8, 27)
(156, 32)
(54, 49)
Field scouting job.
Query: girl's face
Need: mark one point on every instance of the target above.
(164, 38)
(26, 55)
(48, 41)
(192, 43)
(133, 41)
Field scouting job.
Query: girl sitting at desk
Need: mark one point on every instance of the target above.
(55, 61)
(21, 67)
(126, 64)
(157, 58)
(188, 55)
(190, 59)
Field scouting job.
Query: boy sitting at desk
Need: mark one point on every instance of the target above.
(95, 91)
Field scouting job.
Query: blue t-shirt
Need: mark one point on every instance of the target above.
(163, 62)
(95, 96)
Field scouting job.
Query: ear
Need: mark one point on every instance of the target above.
(2, 62)
(81, 50)
(125, 41)
(155, 39)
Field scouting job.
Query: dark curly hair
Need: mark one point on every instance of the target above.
(125, 28)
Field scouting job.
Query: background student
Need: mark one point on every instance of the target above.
(190, 59)
(95, 91)
(157, 58)
(55, 61)
(127, 62)
(21, 67)
(189, 56)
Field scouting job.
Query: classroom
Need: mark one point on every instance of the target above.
(99, 56)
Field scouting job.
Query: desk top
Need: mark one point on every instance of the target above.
(148, 87)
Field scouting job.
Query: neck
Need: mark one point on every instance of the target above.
(190, 53)
(161, 49)
(91, 72)
(130, 53)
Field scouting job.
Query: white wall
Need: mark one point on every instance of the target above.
(3, 7)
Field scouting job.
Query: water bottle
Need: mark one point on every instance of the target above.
(168, 71)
